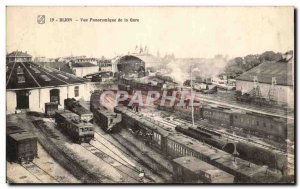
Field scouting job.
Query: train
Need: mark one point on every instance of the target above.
(107, 120)
(189, 169)
(21, 145)
(251, 152)
(262, 125)
(173, 144)
(76, 129)
(130, 85)
(74, 106)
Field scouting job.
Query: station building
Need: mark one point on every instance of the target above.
(29, 86)
(135, 63)
(275, 80)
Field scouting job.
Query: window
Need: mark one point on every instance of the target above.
(76, 91)
(257, 123)
(45, 78)
(20, 70)
(21, 79)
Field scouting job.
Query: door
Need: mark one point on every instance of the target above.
(23, 99)
(54, 96)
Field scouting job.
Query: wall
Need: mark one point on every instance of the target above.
(106, 68)
(38, 97)
(11, 102)
(83, 71)
(284, 94)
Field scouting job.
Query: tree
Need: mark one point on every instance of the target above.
(270, 56)
(251, 61)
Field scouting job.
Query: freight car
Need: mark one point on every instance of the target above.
(21, 145)
(74, 106)
(132, 84)
(71, 124)
(173, 144)
(250, 152)
(50, 108)
(108, 121)
(249, 122)
(189, 169)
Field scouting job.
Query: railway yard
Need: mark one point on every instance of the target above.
(140, 147)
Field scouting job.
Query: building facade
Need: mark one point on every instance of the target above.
(29, 86)
(274, 81)
(84, 68)
(18, 56)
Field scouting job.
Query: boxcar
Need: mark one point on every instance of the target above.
(108, 121)
(259, 124)
(50, 108)
(189, 169)
(21, 145)
(217, 114)
(173, 145)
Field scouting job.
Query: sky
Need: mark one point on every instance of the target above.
(184, 31)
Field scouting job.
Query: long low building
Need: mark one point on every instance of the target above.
(271, 80)
(29, 86)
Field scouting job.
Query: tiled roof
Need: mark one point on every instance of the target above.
(282, 71)
(37, 76)
(18, 54)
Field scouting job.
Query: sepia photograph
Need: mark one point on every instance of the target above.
(150, 95)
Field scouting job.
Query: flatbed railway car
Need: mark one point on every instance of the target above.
(71, 124)
(189, 169)
(74, 106)
(173, 144)
(21, 145)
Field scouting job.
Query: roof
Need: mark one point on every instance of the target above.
(204, 149)
(18, 54)
(67, 114)
(37, 76)
(240, 166)
(62, 66)
(282, 71)
(83, 64)
(13, 129)
(147, 58)
(22, 136)
(197, 166)
(78, 123)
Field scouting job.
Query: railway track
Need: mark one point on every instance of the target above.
(122, 149)
(150, 163)
(113, 143)
(228, 135)
(39, 173)
(64, 159)
(123, 159)
(130, 174)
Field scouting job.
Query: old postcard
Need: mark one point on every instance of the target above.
(177, 95)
